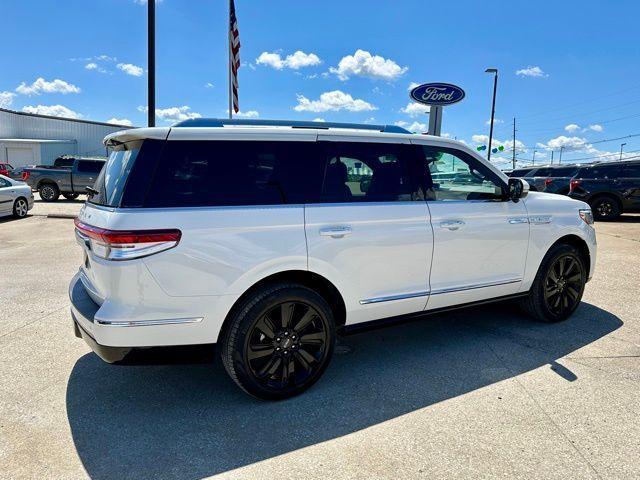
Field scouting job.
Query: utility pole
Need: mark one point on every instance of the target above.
(621, 147)
(560, 159)
(151, 63)
(551, 157)
(533, 160)
(514, 143)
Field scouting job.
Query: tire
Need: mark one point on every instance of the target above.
(273, 356)
(558, 287)
(20, 208)
(70, 196)
(606, 208)
(49, 192)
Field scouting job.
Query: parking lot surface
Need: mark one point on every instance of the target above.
(476, 393)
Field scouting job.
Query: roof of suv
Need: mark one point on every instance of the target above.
(203, 128)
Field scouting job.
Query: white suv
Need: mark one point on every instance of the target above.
(269, 238)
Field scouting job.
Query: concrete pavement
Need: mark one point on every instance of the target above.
(479, 393)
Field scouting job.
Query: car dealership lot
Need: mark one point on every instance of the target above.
(474, 393)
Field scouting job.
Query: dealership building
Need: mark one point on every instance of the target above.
(32, 139)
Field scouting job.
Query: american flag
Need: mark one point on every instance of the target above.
(234, 54)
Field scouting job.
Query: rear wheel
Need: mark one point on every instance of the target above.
(605, 208)
(279, 341)
(20, 208)
(70, 196)
(49, 192)
(558, 287)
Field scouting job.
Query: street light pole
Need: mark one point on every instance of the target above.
(493, 106)
(560, 159)
(533, 160)
(151, 63)
(621, 147)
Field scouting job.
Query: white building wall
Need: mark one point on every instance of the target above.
(88, 135)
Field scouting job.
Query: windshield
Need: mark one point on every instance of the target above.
(113, 177)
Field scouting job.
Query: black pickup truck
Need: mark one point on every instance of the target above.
(611, 188)
(70, 181)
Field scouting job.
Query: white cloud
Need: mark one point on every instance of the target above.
(173, 114)
(570, 143)
(208, 85)
(496, 121)
(142, 108)
(52, 111)
(120, 121)
(247, 114)
(596, 127)
(480, 139)
(91, 66)
(6, 99)
(415, 127)
(295, 61)
(572, 127)
(43, 86)
(531, 71)
(131, 69)
(363, 64)
(414, 109)
(334, 101)
(413, 85)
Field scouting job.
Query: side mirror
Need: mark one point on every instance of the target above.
(518, 189)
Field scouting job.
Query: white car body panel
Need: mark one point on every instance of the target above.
(393, 259)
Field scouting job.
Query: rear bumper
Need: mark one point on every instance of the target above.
(83, 310)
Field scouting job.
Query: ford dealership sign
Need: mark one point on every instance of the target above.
(437, 94)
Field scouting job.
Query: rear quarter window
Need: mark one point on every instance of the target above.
(225, 173)
(600, 172)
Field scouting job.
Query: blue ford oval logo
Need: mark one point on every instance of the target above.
(438, 94)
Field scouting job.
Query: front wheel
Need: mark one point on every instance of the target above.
(606, 208)
(558, 287)
(279, 341)
(49, 192)
(20, 208)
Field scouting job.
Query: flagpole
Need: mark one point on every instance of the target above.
(229, 62)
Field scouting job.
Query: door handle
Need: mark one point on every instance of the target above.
(452, 224)
(335, 232)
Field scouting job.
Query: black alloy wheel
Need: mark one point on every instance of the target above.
(563, 285)
(279, 341)
(606, 208)
(286, 345)
(558, 286)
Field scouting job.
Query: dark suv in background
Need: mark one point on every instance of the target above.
(549, 178)
(610, 188)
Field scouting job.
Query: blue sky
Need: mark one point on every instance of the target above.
(578, 64)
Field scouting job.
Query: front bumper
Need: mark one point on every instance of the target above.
(83, 310)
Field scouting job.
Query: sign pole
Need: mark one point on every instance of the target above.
(435, 120)
(151, 63)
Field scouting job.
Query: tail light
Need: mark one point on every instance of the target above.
(25, 175)
(548, 181)
(125, 244)
(573, 184)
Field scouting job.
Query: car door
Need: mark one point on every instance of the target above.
(630, 186)
(6, 197)
(480, 237)
(86, 174)
(369, 233)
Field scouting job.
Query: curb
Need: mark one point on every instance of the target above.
(61, 215)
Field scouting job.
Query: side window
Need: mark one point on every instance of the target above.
(631, 171)
(601, 171)
(89, 166)
(4, 183)
(219, 173)
(368, 172)
(456, 175)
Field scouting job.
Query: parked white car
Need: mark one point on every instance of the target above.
(16, 197)
(270, 238)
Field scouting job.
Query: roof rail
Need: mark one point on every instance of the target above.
(220, 122)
